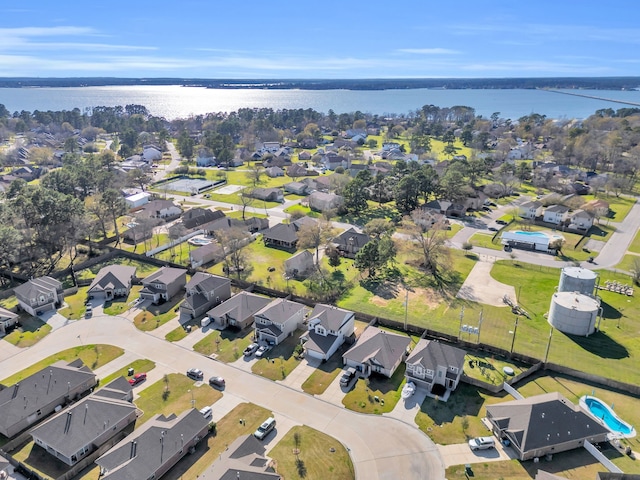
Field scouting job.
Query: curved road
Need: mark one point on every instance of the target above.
(380, 447)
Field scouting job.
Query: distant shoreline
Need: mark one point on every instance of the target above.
(577, 83)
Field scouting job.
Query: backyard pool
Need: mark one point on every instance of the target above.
(199, 241)
(606, 416)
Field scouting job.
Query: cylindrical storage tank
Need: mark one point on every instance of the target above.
(577, 279)
(573, 313)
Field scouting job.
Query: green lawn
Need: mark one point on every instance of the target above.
(93, 356)
(141, 247)
(628, 263)
(485, 240)
(181, 392)
(9, 303)
(156, 315)
(75, 308)
(142, 269)
(279, 361)
(619, 206)
(635, 245)
(30, 331)
(140, 365)
(178, 254)
(377, 395)
(180, 332)
(227, 344)
(488, 368)
(121, 305)
(326, 373)
(316, 456)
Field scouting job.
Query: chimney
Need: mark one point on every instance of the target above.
(67, 425)
(134, 447)
(15, 390)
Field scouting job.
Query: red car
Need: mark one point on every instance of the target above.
(137, 378)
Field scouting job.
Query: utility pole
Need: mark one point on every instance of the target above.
(515, 330)
(461, 318)
(546, 353)
(406, 307)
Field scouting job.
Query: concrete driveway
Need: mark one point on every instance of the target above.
(480, 286)
(461, 454)
(380, 447)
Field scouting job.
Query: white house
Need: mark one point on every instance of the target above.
(581, 220)
(556, 214)
(531, 210)
(329, 326)
(278, 320)
(151, 154)
(435, 366)
(137, 200)
(322, 202)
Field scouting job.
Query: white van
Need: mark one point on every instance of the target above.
(264, 429)
(205, 321)
(206, 412)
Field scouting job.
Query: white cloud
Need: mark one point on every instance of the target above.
(429, 51)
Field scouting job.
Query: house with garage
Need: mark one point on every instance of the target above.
(328, 328)
(111, 282)
(350, 242)
(39, 295)
(274, 172)
(278, 320)
(267, 194)
(531, 210)
(556, 214)
(196, 217)
(323, 202)
(79, 430)
(162, 285)
(244, 459)
(211, 253)
(543, 424)
(37, 396)
(151, 154)
(435, 366)
(581, 220)
(377, 351)
(8, 321)
(238, 311)
(203, 292)
(299, 265)
(161, 209)
(151, 450)
(296, 188)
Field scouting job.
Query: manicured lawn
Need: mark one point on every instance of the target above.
(180, 332)
(121, 305)
(488, 368)
(30, 331)
(326, 373)
(157, 315)
(178, 254)
(93, 356)
(227, 345)
(75, 304)
(485, 240)
(319, 456)
(627, 264)
(279, 361)
(362, 398)
(619, 206)
(155, 399)
(142, 269)
(141, 247)
(140, 365)
(9, 303)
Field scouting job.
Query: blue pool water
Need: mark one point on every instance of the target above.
(603, 412)
(531, 234)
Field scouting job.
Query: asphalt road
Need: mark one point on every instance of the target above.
(380, 447)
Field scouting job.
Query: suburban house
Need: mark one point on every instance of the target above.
(151, 154)
(205, 158)
(112, 281)
(278, 320)
(331, 161)
(350, 242)
(285, 235)
(137, 233)
(268, 194)
(39, 295)
(531, 210)
(164, 209)
(556, 214)
(296, 170)
(322, 202)
(75, 432)
(211, 253)
(274, 172)
(321, 184)
(162, 285)
(238, 311)
(299, 264)
(137, 200)
(297, 188)
(38, 395)
(8, 320)
(377, 351)
(581, 220)
(329, 327)
(203, 292)
(543, 424)
(435, 366)
(199, 216)
(476, 200)
(243, 459)
(598, 207)
(151, 450)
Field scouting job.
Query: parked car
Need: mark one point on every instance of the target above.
(347, 376)
(501, 222)
(217, 382)
(206, 412)
(88, 311)
(137, 378)
(264, 429)
(262, 350)
(250, 350)
(486, 209)
(195, 373)
(482, 443)
(493, 229)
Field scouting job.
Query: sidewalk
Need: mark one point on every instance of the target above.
(116, 364)
(162, 330)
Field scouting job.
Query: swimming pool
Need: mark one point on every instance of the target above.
(606, 416)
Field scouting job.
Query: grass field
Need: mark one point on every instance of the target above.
(628, 263)
(75, 308)
(377, 395)
(485, 240)
(30, 332)
(316, 456)
(226, 344)
(93, 356)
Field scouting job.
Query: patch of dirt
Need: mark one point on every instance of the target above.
(425, 296)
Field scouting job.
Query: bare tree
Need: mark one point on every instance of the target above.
(232, 241)
(430, 240)
(246, 197)
(314, 236)
(255, 174)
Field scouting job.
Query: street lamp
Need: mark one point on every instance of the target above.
(193, 400)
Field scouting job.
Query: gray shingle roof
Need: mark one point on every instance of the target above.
(280, 309)
(113, 276)
(283, 232)
(431, 354)
(37, 286)
(206, 282)
(240, 306)
(351, 237)
(330, 317)
(166, 276)
(378, 347)
(244, 459)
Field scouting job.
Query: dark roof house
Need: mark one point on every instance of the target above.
(112, 281)
(350, 242)
(238, 311)
(203, 292)
(435, 366)
(199, 216)
(163, 284)
(244, 459)
(377, 351)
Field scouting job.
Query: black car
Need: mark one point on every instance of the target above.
(195, 373)
(217, 382)
(501, 222)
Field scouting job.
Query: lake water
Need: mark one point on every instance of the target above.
(178, 102)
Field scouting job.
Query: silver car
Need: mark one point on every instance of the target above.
(482, 443)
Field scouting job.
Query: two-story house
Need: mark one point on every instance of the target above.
(329, 327)
(435, 366)
(238, 311)
(278, 320)
(204, 291)
(8, 320)
(162, 285)
(556, 214)
(350, 242)
(39, 295)
(581, 220)
(531, 210)
(111, 282)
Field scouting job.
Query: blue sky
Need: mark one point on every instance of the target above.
(325, 39)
